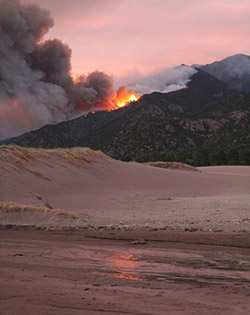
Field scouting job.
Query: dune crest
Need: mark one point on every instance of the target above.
(22, 159)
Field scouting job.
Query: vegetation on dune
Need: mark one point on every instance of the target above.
(66, 214)
(36, 173)
(31, 160)
(173, 166)
(10, 207)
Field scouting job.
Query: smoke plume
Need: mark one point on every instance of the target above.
(36, 86)
(167, 81)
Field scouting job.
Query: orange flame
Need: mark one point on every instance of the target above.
(123, 97)
(119, 99)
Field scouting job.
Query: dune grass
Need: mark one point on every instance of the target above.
(66, 214)
(48, 164)
(21, 156)
(2, 167)
(36, 173)
(11, 207)
(173, 166)
(16, 168)
(75, 159)
(37, 196)
(41, 162)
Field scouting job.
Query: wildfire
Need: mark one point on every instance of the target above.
(123, 97)
(119, 99)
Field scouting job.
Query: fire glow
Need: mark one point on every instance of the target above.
(119, 99)
(124, 97)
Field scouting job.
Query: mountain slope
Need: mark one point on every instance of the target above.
(149, 135)
(233, 70)
(201, 90)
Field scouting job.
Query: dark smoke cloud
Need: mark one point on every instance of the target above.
(53, 58)
(96, 88)
(36, 86)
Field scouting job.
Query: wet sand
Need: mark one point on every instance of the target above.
(71, 273)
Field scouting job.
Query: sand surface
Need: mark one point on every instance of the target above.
(62, 273)
(103, 192)
(81, 233)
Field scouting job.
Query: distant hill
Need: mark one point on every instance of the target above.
(233, 70)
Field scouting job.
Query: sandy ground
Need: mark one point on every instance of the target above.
(111, 194)
(68, 219)
(57, 273)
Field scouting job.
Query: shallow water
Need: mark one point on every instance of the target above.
(46, 274)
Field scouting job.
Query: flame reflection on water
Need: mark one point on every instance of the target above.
(126, 266)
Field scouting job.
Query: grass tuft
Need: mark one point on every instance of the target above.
(48, 205)
(173, 166)
(10, 207)
(2, 167)
(36, 173)
(37, 196)
(66, 214)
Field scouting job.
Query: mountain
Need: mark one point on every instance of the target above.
(205, 123)
(217, 134)
(202, 89)
(233, 70)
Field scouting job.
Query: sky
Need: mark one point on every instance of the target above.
(129, 39)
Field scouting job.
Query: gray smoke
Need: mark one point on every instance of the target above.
(166, 81)
(36, 87)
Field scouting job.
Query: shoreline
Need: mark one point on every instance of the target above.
(135, 237)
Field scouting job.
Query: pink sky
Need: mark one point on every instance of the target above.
(130, 38)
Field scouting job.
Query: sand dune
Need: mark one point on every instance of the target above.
(101, 191)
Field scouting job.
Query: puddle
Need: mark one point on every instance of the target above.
(171, 268)
(161, 265)
(126, 266)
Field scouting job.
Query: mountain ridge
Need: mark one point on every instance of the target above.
(202, 89)
(233, 70)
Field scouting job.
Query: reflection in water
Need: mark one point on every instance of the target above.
(126, 265)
